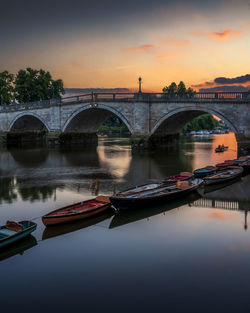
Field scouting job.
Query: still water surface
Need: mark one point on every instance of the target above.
(191, 255)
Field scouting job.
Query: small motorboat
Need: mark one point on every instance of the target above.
(228, 174)
(13, 231)
(77, 211)
(221, 148)
(205, 171)
(131, 198)
(173, 179)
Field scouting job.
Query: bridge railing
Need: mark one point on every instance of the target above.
(146, 97)
(200, 96)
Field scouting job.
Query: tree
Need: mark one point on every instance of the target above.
(34, 85)
(204, 121)
(172, 90)
(190, 92)
(181, 89)
(6, 88)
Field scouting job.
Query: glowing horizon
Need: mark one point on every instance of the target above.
(110, 45)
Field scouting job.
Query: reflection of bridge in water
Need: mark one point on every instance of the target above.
(217, 204)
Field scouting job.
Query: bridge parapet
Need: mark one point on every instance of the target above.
(92, 98)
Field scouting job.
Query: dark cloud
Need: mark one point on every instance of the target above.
(236, 80)
(237, 88)
(30, 18)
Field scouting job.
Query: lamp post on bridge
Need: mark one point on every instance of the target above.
(139, 79)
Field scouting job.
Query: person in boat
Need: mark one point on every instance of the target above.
(222, 147)
(219, 146)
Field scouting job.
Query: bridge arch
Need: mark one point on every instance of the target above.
(174, 121)
(89, 119)
(28, 121)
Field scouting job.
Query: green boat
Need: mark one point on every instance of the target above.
(12, 231)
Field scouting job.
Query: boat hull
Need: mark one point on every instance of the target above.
(55, 220)
(209, 181)
(201, 174)
(134, 203)
(18, 235)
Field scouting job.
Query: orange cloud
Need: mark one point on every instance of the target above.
(141, 48)
(219, 35)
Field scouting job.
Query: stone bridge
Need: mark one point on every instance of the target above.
(154, 119)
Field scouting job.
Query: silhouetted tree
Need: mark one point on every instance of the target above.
(34, 85)
(6, 88)
(181, 89)
(172, 90)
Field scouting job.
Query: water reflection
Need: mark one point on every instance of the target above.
(192, 247)
(18, 247)
(122, 218)
(50, 232)
(233, 197)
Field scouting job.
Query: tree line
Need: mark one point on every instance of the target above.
(29, 85)
(202, 122)
(179, 90)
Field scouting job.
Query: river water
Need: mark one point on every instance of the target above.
(191, 255)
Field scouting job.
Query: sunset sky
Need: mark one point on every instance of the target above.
(108, 44)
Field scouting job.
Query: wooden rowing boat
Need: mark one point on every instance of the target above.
(205, 171)
(61, 229)
(181, 177)
(130, 199)
(228, 174)
(13, 231)
(77, 211)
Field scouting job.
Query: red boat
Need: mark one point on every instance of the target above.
(174, 179)
(77, 211)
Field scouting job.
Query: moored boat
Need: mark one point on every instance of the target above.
(13, 231)
(77, 211)
(240, 160)
(132, 199)
(205, 171)
(228, 174)
(182, 176)
(224, 165)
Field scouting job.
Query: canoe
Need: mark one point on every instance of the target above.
(77, 211)
(129, 199)
(173, 179)
(205, 171)
(228, 174)
(13, 231)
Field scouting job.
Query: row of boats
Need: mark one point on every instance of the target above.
(147, 195)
